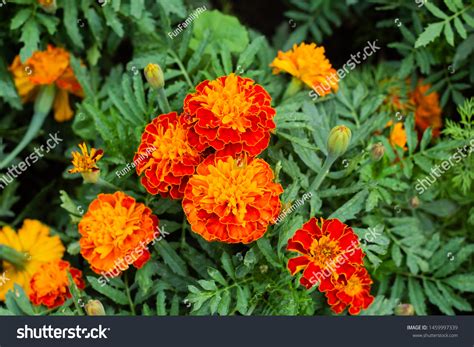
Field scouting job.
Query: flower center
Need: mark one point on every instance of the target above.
(324, 251)
(231, 186)
(228, 101)
(172, 143)
(353, 286)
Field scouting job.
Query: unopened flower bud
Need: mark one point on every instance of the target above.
(415, 202)
(48, 5)
(154, 76)
(377, 151)
(338, 140)
(405, 310)
(95, 308)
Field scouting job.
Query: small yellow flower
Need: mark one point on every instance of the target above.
(86, 163)
(308, 63)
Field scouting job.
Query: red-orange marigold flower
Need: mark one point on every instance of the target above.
(49, 285)
(232, 200)
(352, 291)
(231, 115)
(115, 233)
(328, 248)
(427, 109)
(165, 158)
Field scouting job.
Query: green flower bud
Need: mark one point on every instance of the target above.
(405, 310)
(49, 6)
(415, 202)
(154, 76)
(377, 151)
(338, 140)
(95, 308)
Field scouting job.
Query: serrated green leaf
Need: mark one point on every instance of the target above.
(431, 32)
(416, 296)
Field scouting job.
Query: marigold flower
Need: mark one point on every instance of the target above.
(351, 291)
(33, 239)
(165, 158)
(231, 115)
(154, 76)
(48, 5)
(49, 285)
(232, 200)
(398, 135)
(44, 68)
(115, 232)
(328, 248)
(309, 64)
(427, 109)
(85, 163)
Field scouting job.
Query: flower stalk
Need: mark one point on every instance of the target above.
(12, 256)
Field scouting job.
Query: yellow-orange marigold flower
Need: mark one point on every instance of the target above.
(51, 66)
(86, 162)
(309, 64)
(165, 158)
(398, 135)
(232, 200)
(115, 233)
(49, 285)
(33, 239)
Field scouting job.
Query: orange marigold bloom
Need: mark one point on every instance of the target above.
(231, 115)
(352, 291)
(49, 285)
(115, 232)
(309, 64)
(43, 68)
(165, 158)
(86, 162)
(398, 135)
(328, 248)
(232, 200)
(427, 109)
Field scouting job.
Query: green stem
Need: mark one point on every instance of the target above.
(101, 182)
(163, 101)
(293, 88)
(17, 259)
(43, 104)
(127, 289)
(182, 68)
(323, 173)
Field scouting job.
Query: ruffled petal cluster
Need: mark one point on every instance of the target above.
(427, 108)
(230, 115)
(86, 162)
(330, 255)
(115, 232)
(165, 159)
(51, 66)
(34, 240)
(232, 200)
(309, 64)
(49, 285)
